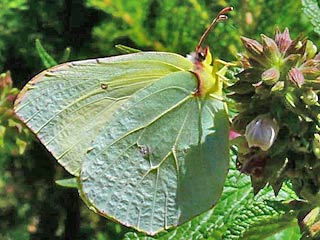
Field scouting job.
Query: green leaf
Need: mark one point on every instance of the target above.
(46, 59)
(66, 55)
(289, 233)
(68, 105)
(312, 11)
(128, 14)
(163, 158)
(258, 221)
(69, 182)
(126, 49)
(231, 217)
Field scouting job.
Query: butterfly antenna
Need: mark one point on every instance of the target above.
(221, 16)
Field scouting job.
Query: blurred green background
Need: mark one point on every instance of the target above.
(32, 206)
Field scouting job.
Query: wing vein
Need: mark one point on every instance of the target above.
(154, 198)
(147, 124)
(93, 117)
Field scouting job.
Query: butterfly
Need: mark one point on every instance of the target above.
(145, 134)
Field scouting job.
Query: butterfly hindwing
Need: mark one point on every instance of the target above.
(162, 159)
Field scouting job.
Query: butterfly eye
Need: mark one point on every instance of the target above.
(201, 56)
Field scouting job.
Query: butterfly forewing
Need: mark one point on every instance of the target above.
(66, 106)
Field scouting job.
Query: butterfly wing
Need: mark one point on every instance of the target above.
(67, 106)
(162, 159)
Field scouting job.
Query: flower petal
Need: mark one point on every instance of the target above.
(262, 132)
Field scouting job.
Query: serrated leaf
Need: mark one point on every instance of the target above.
(237, 199)
(163, 158)
(288, 233)
(312, 11)
(258, 221)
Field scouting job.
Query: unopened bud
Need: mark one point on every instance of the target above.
(270, 76)
(310, 97)
(311, 49)
(295, 76)
(252, 46)
(283, 40)
(291, 101)
(262, 132)
(301, 47)
(270, 47)
(279, 86)
(245, 62)
(5, 80)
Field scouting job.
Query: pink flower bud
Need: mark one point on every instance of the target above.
(296, 76)
(262, 132)
(5, 80)
(270, 76)
(283, 40)
(270, 47)
(252, 46)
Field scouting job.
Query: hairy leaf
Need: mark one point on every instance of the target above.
(312, 11)
(231, 217)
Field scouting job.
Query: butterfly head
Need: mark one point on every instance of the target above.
(199, 56)
(206, 73)
(202, 54)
